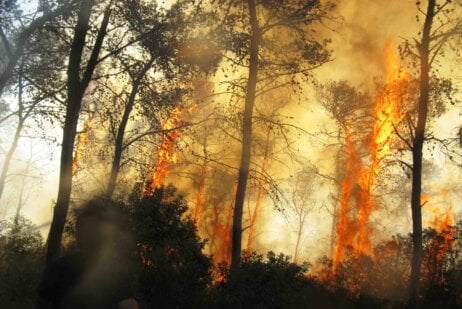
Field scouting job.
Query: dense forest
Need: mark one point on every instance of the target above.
(230, 154)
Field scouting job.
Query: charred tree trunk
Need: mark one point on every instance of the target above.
(247, 138)
(119, 141)
(419, 137)
(75, 91)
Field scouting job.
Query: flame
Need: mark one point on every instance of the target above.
(440, 217)
(261, 192)
(166, 154)
(144, 251)
(223, 231)
(352, 230)
(200, 196)
(82, 136)
(222, 254)
(345, 225)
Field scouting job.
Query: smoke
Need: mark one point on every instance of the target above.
(358, 52)
(359, 37)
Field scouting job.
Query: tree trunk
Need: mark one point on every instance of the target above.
(75, 91)
(301, 225)
(261, 192)
(247, 138)
(419, 136)
(119, 147)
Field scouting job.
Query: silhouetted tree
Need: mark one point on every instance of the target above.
(21, 262)
(76, 86)
(273, 43)
(172, 270)
(20, 29)
(442, 23)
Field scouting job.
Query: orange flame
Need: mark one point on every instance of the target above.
(442, 215)
(166, 154)
(223, 253)
(442, 220)
(387, 114)
(261, 192)
(345, 225)
(353, 230)
(223, 232)
(82, 136)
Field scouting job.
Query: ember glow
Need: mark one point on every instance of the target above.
(166, 153)
(441, 218)
(79, 148)
(223, 231)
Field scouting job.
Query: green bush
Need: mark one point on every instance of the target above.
(172, 271)
(21, 263)
(269, 282)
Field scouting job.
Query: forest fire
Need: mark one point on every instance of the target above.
(223, 231)
(441, 218)
(230, 154)
(345, 226)
(353, 230)
(166, 153)
(81, 139)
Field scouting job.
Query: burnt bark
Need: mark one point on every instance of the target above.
(75, 91)
(247, 138)
(417, 146)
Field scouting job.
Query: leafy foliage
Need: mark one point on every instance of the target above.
(271, 282)
(21, 248)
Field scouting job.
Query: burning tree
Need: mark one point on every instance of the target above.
(166, 153)
(79, 147)
(368, 138)
(158, 77)
(258, 33)
(359, 182)
(351, 110)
